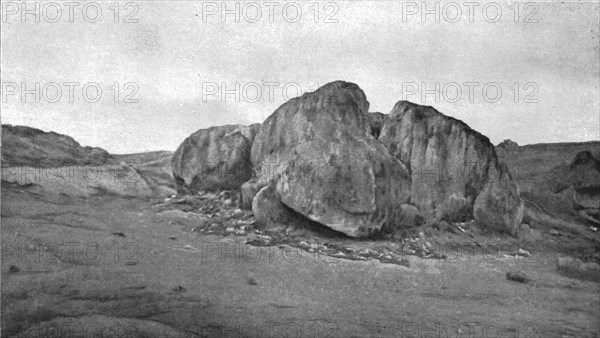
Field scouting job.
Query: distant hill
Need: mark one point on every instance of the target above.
(26, 146)
(29, 154)
(530, 164)
(556, 180)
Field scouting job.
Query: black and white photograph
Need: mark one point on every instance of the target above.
(300, 168)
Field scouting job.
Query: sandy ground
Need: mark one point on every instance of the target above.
(113, 266)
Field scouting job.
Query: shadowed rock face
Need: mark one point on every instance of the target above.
(499, 205)
(376, 121)
(25, 146)
(318, 153)
(508, 145)
(450, 165)
(214, 158)
(582, 176)
(447, 159)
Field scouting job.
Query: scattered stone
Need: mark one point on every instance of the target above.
(259, 240)
(523, 253)
(179, 288)
(441, 226)
(120, 234)
(517, 277)
(187, 247)
(553, 232)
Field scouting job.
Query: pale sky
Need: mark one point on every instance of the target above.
(178, 53)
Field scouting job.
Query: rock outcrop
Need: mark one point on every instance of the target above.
(508, 145)
(499, 204)
(214, 158)
(318, 154)
(26, 146)
(324, 157)
(454, 169)
(56, 164)
(579, 180)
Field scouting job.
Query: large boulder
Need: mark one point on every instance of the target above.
(268, 210)
(217, 158)
(318, 153)
(499, 205)
(450, 165)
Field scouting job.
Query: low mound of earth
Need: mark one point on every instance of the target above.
(25, 146)
(57, 164)
(529, 164)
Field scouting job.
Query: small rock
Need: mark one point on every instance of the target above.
(523, 253)
(553, 232)
(120, 234)
(252, 281)
(525, 231)
(179, 288)
(172, 237)
(13, 269)
(517, 277)
(442, 226)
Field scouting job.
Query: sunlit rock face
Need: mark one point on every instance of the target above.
(318, 152)
(453, 168)
(217, 158)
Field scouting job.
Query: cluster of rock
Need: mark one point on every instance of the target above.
(323, 156)
(578, 184)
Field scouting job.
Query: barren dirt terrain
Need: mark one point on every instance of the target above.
(133, 267)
